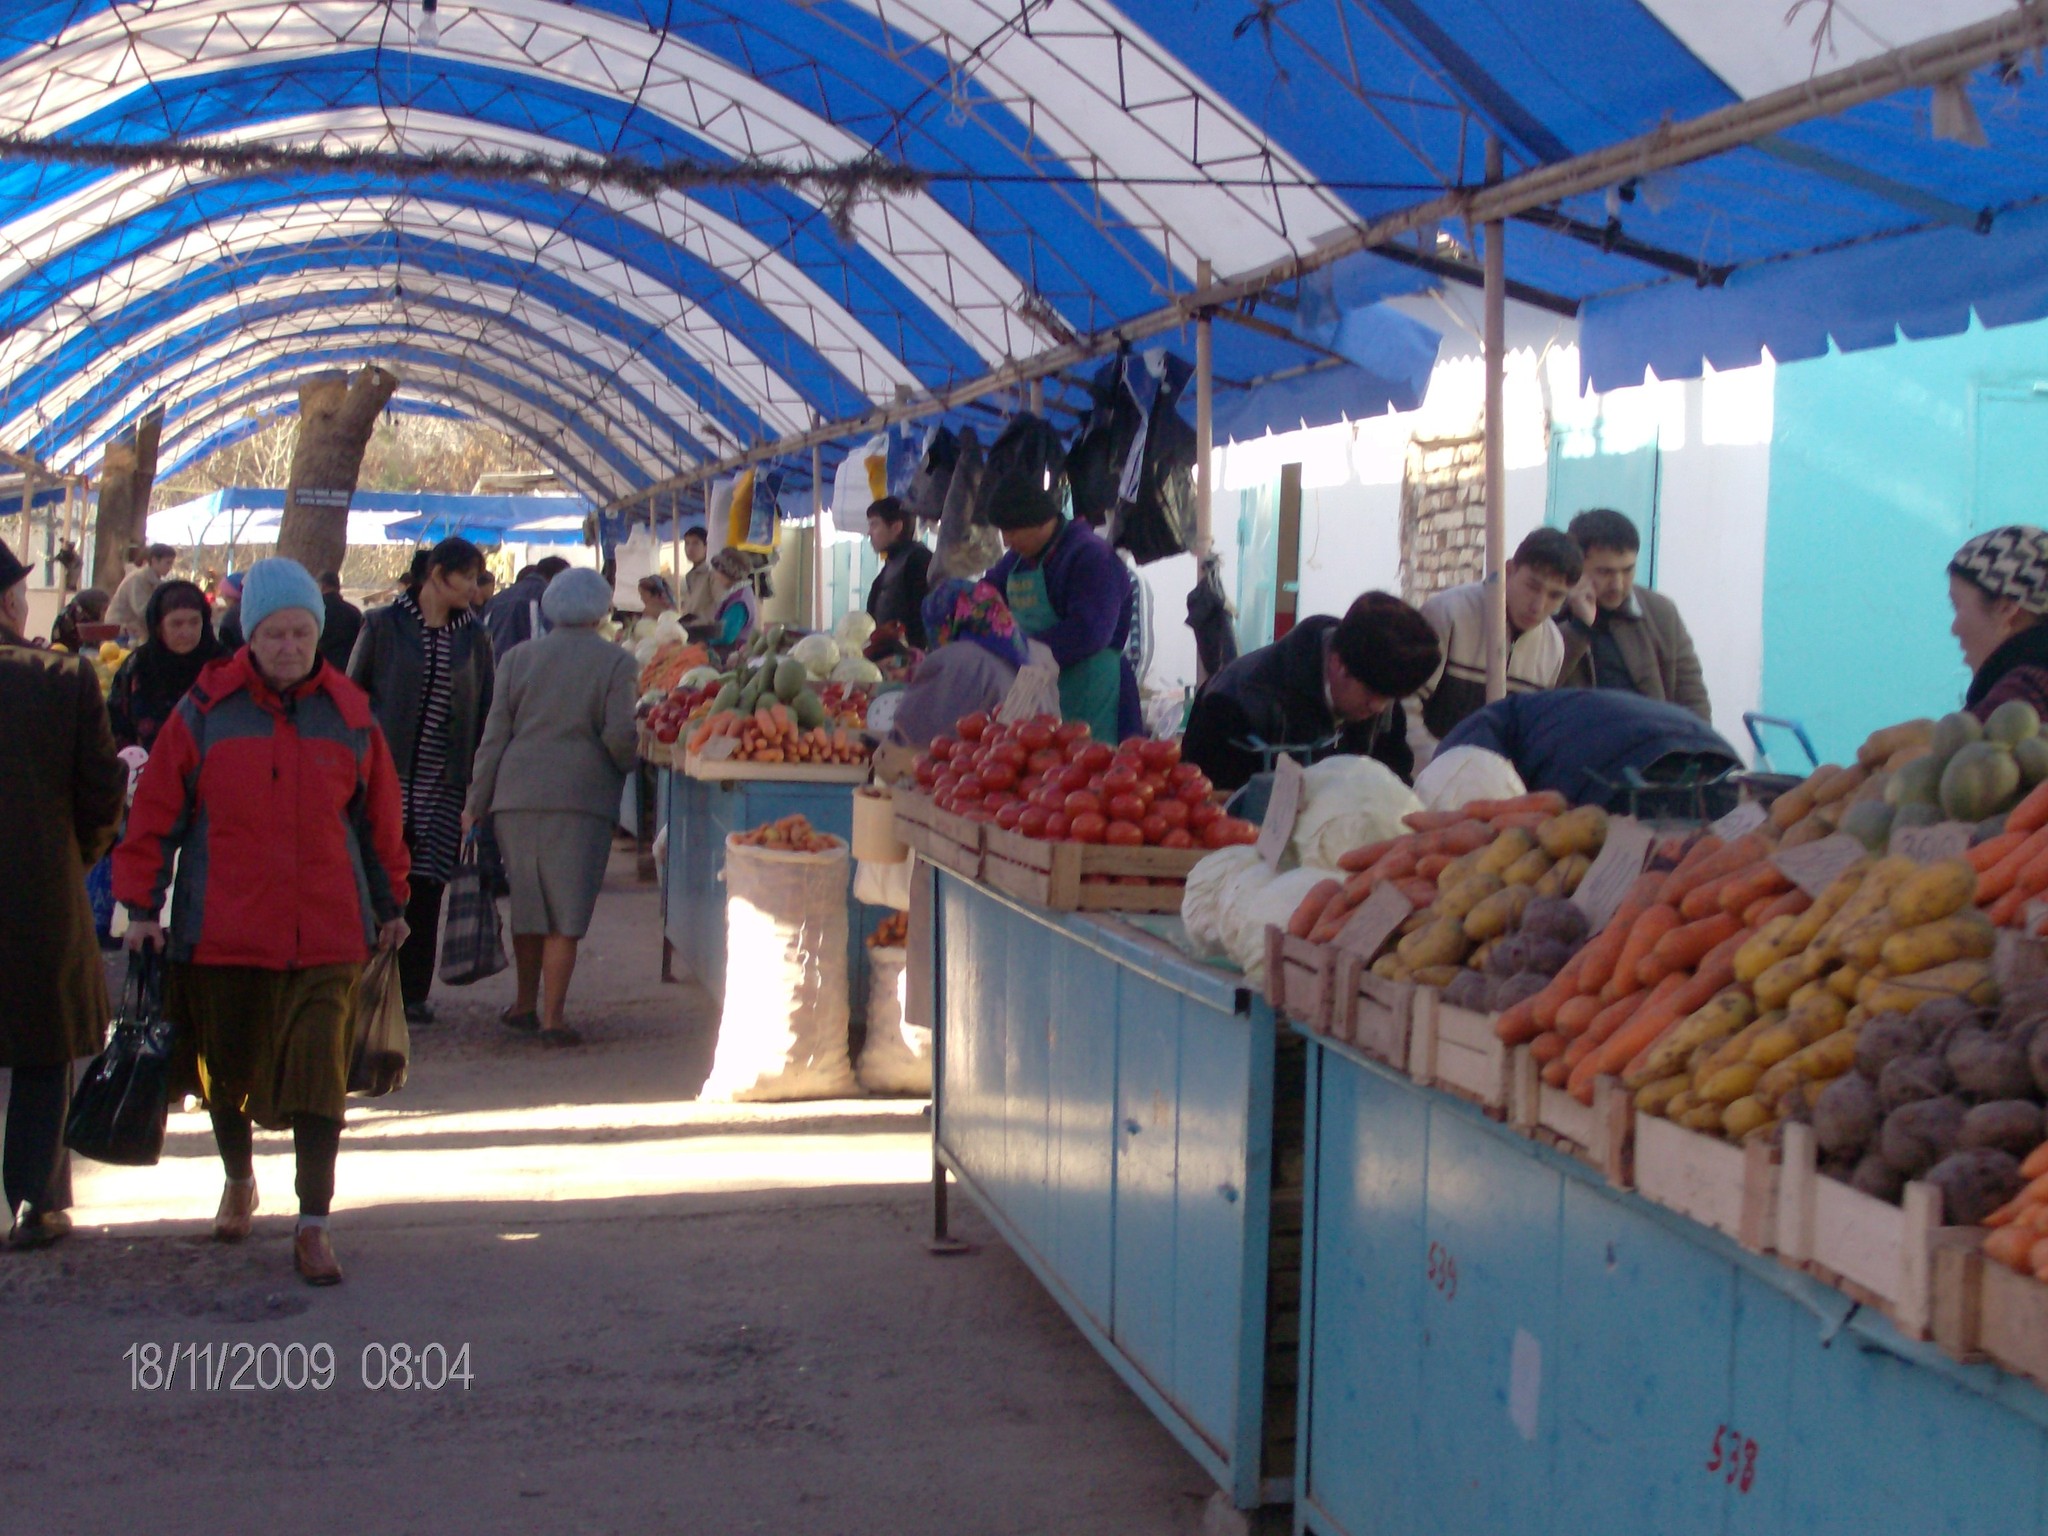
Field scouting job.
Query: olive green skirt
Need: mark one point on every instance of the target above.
(270, 1044)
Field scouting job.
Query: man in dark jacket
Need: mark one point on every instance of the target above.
(514, 614)
(1582, 742)
(1330, 686)
(64, 792)
(344, 622)
(1620, 635)
(897, 596)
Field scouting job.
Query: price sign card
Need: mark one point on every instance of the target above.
(2019, 961)
(1930, 845)
(1744, 819)
(1374, 922)
(1621, 860)
(1813, 867)
(1282, 810)
(719, 748)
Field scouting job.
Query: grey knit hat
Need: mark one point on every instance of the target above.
(2009, 562)
(577, 598)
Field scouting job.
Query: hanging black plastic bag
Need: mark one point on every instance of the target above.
(119, 1108)
(1210, 618)
(966, 548)
(1155, 508)
(1095, 463)
(383, 1045)
(1024, 482)
(925, 499)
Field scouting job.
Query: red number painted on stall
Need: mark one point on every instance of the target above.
(1443, 1271)
(1734, 1457)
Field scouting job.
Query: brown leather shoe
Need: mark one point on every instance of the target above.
(237, 1213)
(314, 1257)
(39, 1229)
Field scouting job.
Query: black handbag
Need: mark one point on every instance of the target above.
(119, 1108)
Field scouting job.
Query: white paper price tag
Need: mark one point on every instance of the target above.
(1813, 867)
(1282, 810)
(1374, 922)
(1621, 860)
(719, 748)
(1744, 819)
(1930, 845)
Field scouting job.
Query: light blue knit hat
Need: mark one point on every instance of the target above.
(276, 583)
(577, 596)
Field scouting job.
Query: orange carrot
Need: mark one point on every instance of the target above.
(1986, 854)
(1643, 935)
(1336, 913)
(1574, 1014)
(1310, 911)
(1682, 949)
(1547, 1047)
(1466, 837)
(1557, 1073)
(2036, 1162)
(1543, 1006)
(1998, 880)
(1398, 865)
(1704, 899)
(2031, 814)
(1759, 883)
(2008, 1246)
(1548, 801)
(1791, 904)
(1420, 893)
(1430, 865)
(1715, 975)
(1433, 821)
(1360, 859)
(1711, 857)
(1603, 953)
(1528, 821)
(1609, 1019)
(1626, 1035)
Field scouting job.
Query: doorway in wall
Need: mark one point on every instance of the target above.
(2011, 458)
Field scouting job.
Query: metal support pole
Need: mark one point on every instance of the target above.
(1205, 420)
(817, 537)
(1036, 397)
(1496, 471)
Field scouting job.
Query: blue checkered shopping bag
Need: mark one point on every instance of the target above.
(473, 935)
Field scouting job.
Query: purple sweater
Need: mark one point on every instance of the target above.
(1091, 592)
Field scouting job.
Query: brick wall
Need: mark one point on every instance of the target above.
(1443, 514)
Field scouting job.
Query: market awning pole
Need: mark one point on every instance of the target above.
(1496, 473)
(1205, 418)
(817, 537)
(1036, 397)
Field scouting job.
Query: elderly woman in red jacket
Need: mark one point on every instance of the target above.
(271, 795)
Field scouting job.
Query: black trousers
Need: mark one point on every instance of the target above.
(37, 1168)
(416, 957)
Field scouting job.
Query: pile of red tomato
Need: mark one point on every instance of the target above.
(1045, 778)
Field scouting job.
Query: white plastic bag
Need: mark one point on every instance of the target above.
(854, 487)
(883, 885)
(1348, 802)
(897, 1056)
(1456, 778)
(782, 1034)
(639, 556)
(1036, 690)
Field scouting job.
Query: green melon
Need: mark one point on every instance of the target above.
(2012, 723)
(1954, 732)
(2032, 756)
(790, 677)
(1918, 783)
(1869, 822)
(1979, 781)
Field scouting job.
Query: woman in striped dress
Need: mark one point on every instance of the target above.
(426, 666)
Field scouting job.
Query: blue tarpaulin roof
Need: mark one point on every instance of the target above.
(1083, 159)
(250, 515)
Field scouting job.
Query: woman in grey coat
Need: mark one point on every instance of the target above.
(555, 754)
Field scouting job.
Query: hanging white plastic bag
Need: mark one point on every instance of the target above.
(1036, 690)
(633, 560)
(862, 480)
(897, 1056)
(782, 1032)
(883, 885)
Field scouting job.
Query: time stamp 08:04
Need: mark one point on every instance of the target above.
(244, 1366)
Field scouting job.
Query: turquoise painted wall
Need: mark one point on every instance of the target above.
(1882, 463)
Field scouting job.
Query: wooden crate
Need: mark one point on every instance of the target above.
(1300, 978)
(1729, 1188)
(1457, 1050)
(1081, 877)
(1373, 1013)
(951, 841)
(2010, 1321)
(1882, 1254)
(1601, 1133)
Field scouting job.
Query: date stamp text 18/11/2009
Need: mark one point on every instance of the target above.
(243, 1365)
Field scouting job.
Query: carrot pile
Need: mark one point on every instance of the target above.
(2012, 868)
(1668, 951)
(1412, 862)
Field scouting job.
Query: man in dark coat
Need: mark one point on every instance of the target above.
(1329, 686)
(65, 788)
(514, 614)
(343, 623)
(897, 596)
(1582, 742)
(1621, 635)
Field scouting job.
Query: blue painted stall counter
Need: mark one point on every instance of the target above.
(1496, 1340)
(1130, 1120)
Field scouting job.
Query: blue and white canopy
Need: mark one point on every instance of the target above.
(1083, 160)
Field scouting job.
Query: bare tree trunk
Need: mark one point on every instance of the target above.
(126, 476)
(337, 414)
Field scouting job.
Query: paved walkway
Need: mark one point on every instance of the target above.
(676, 1319)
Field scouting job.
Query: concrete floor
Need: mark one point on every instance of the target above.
(678, 1319)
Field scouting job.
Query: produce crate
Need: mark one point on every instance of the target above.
(1457, 1050)
(1300, 978)
(944, 838)
(1380, 1012)
(1879, 1253)
(1600, 1133)
(663, 754)
(1082, 877)
(1984, 1311)
(1729, 1188)
(730, 770)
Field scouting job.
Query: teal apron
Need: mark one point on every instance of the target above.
(1092, 688)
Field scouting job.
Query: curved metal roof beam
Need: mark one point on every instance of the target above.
(369, 257)
(210, 357)
(47, 89)
(721, 245)
(715, 347)
(643, 394)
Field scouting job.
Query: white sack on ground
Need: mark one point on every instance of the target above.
(1454, 779)
(782, 1034)
(1230, 899)
(1347, 802)
(897, 1056)
(1245, 931)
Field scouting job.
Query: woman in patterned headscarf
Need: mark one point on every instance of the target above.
(1998, 585)
(977, 652)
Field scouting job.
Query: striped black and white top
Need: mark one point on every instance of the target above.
(433, 806)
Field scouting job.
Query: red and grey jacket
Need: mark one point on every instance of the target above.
(283, 817)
